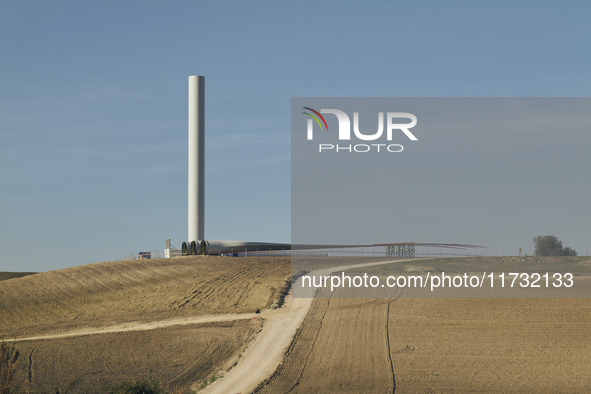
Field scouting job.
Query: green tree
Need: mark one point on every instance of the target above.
(549, 245)
(568, 252)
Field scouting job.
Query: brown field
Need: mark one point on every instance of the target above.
(342, 347)
(439, 345)
(177, 356)
(122, 293)
(407, 345)
(109, 293)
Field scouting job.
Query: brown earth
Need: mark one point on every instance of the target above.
(110, 293)
(343, 346)
(176, 356)
(579, 265)
(439, 345)
(492, 345)
(134, 294)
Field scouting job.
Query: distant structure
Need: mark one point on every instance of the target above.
(170, 251)
(196, 158)
(401, 250)
(196, 243)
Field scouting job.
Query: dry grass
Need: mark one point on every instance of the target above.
(140, 290)
(12, 275)
(177, 356)
(106, 294)
(8, 367)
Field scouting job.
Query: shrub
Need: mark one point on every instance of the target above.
(8, 362)
(150, 385)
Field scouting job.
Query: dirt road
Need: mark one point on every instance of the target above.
(190, 319)
(143, 326)
(262, 358)
(177, 356)
(82, 328)
(259, 360)
(114, 293)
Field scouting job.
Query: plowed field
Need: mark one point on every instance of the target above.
(492, 345)
(344, 345)
(439, 345)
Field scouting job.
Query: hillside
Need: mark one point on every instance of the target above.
(138, 290)
(11, 275)
(119, 294)
(342, 344)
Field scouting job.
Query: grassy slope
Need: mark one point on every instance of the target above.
(11, 275)
(109, 293)
(139, 290)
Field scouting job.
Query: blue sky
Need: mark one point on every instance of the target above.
(93, 104)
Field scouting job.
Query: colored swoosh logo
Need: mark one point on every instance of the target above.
(315, 118)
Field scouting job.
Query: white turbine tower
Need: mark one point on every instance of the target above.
(196, 158)
(196, 243)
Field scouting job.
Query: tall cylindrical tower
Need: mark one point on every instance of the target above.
(196, 157)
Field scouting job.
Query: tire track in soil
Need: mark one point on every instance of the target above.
(389, 348)
(312, 346)
(30, 368)
(110, 293)
(290, 372)
(221, 281)
(206, 290)
(398, 294)
(201, 363)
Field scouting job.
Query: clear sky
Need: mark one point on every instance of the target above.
(93, 104)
